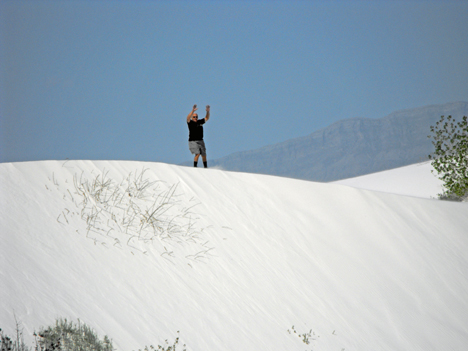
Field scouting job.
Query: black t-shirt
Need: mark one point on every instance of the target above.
(196, 129)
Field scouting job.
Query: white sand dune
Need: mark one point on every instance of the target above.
(365, 270)
(414, 180)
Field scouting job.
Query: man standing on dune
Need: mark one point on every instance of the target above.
(196, 143)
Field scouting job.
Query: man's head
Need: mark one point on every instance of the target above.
(194, 117)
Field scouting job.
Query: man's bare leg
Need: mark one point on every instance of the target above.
(195, 161)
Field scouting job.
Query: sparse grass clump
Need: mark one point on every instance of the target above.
(136, 213)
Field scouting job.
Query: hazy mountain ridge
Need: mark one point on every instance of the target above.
(348, 148)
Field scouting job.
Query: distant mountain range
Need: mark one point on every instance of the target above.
(348, 148)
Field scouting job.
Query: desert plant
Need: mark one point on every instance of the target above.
(309, 338)
(68, 336)
(167, 347)
(305, 337)
(450, 158)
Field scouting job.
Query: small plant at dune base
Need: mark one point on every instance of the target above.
(136, 212)
(308, 338)
(67, 336)
(450, 158)
(168, 346)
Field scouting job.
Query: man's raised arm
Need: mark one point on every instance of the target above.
(189, 117)
(207, 117)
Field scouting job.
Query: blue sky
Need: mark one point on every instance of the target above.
(116, 79)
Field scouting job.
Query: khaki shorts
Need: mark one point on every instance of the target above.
(197, 147)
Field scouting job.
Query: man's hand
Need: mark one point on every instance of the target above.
(189, 117)
(207, 108)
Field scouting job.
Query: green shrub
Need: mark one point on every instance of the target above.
(450, 158)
